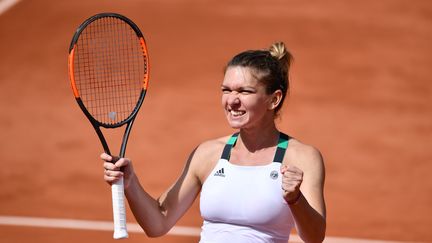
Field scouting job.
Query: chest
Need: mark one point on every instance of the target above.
(239, 157)
(249, 195)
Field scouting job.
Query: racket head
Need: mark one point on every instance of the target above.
(109, 69)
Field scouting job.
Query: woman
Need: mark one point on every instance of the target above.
(255, 185)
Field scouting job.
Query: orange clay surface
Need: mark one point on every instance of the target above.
(361, 92)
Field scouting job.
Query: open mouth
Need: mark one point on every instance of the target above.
(236, 113)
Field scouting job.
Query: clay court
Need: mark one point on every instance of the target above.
(361, 92)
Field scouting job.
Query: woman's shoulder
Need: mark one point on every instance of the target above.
(211, 147)
(303, 155)
(206, 155)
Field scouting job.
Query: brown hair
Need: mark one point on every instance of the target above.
(271, 67)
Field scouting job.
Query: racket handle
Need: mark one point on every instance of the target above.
(119, 210)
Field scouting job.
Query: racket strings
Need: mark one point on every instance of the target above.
(110, 69)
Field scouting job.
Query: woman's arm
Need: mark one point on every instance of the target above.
(155, 216)
(303, 185)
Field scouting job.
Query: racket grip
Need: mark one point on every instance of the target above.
(119, 210)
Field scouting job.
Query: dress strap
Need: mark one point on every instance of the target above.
(228, 146)
(281, 148)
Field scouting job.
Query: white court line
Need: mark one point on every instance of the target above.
(7, 4)
(135, 228)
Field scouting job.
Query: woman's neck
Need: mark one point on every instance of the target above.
(255, 139)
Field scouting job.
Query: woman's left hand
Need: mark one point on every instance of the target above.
(292, 178)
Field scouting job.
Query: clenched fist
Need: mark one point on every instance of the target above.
(292, 178)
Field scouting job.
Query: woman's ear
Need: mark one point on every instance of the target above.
(275, 99)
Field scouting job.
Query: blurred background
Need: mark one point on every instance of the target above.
(361, 92)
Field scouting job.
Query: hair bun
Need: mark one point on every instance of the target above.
(278, 50)
(282, 55)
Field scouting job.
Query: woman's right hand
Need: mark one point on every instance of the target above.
(115, 168)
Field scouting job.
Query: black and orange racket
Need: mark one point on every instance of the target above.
(109, 73)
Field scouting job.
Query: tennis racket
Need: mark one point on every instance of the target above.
(109, 73)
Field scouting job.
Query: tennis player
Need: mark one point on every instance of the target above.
(257, 184)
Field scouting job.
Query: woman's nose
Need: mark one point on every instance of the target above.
(233, 99)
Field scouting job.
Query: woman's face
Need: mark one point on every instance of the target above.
(244, 99)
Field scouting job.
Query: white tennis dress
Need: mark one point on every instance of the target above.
(242, 204)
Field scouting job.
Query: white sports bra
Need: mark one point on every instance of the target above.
(244, 203)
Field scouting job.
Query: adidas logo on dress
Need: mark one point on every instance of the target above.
(220, 173)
